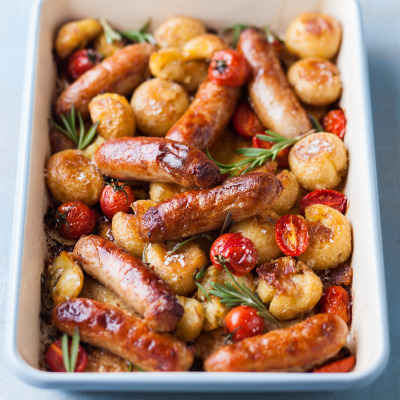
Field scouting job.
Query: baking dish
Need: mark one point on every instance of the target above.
(369, 334)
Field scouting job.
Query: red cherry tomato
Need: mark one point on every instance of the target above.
(291, 235)
(243, 322)
(334, 121)
(239, 252)
(116, 196)
(246, 122)
(344, 365)
(75, 219)
(328, 197)
(228, 68)
(282, 158)
(54, 357)
(80, 62)
(336, 301)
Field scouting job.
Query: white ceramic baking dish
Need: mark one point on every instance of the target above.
(369, 334)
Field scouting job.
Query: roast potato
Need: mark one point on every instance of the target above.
(139, 207)
(290, 192)
(160, 191)
(214, 313)
(92, 148)
(168, 64)
(157, 105)
(195, 74)
(191, 324)
(319, 161)
(203, 47)
(106, 49)
(72, 177)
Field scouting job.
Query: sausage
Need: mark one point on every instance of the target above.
(122, 333)
(156, 160)
(204, 210)
(207, 117)
(271, 96)
(131, 279)
(297, 348)
(120, 73)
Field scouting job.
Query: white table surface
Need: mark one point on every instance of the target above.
(382, 27)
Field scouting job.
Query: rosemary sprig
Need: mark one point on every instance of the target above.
(316, 125)
(179, 245)
(236, 30)
(271, 37)
(131, 366)
(70, 358)
(134, 35)
(110, 34)
(197, 276)
(257, 157)
(81, 138)
(235, 294)
(227, 224)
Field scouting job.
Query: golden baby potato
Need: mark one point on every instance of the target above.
(167, 64)
(76, 35)
(330, 237)
(72, 177)
(195, 74)
(316, 81)
(177, 30)
(203, 47)
(313, 35)
(176, 268)
(157, 105)
(290, 192)
(160, 191)
(92, 148)
(214, 313)
(319, 161)
(115, 115)
(139, 207)
(260, 229)
(106, 49)
(191, 324)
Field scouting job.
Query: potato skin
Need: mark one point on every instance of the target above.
(327, 250)
(203, 47)
(316, 81)
(195, 74)
(191, 324)
(157, 105)
(260, 229)
(319, 161)
(288, 197)
(167, 64)
(72, 177)
(76, 35)
(107, 49)
(177, 30)
(160, 191)
(313, 35)
(115, 115)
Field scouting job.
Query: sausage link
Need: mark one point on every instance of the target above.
(131, 279)
(156, 160)
(271, 96)
(122, 333)
(297, 348)
(120, 73)
(204, 210)
(207, 117)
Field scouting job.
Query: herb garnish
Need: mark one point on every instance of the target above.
(316, 125)
(197, 276)
(134, 35)
(70, 358)
(236, 29)
(271, 37)
(179, 245)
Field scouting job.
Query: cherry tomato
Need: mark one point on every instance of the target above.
(116, 196)
(75, 219)
(282, 158)
(243, 322)
(80, 62)
(291, 235)
(334, 121)
(328, 197)
(336, 301)
(239, 252)
(246, 122)
(344, 365)
(228, 68)
(54, 357)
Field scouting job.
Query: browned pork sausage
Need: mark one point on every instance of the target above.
(156, 160)
(207, 117)
(120, 73)
(130, 279)
(271, 96)
(122, 333)
(204, 210)
(297, 348)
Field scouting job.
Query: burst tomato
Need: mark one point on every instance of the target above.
(344, 365)
(239, 253)
(228, 68)
(80, 62)
(291, 235)
(243, 322)
(116, 196)
(282, 158)
(246, 122)
(328, 197)
(336, 301)
(54, 357)
(334, 121)
(75, 219)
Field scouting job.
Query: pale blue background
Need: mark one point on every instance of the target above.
(382, 27)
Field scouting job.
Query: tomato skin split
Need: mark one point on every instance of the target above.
(243, 322)
(328, 197)
(246, 123)
(344, 365)
(336, 301)
(291, 235)
(335, 122)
